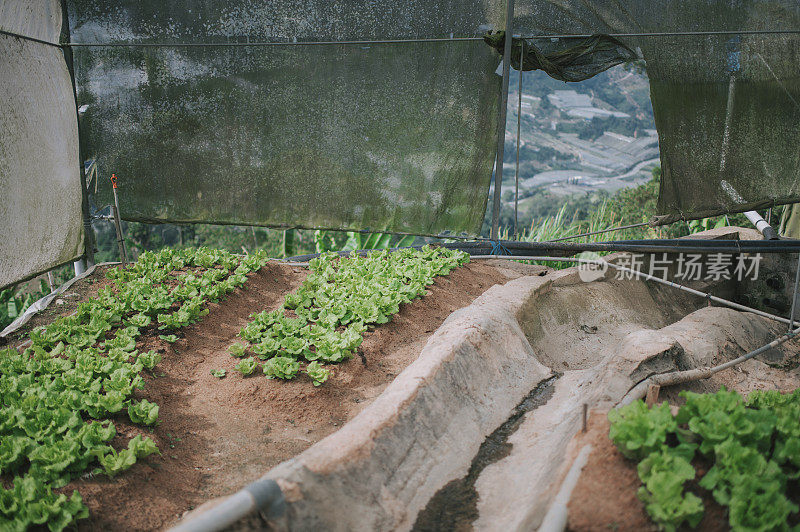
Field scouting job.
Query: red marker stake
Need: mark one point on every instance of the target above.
(117, 223)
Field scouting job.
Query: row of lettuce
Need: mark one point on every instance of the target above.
(58, 393)
(323, 321)
(752, 446)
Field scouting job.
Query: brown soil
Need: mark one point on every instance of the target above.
(217, 435)
(605, 497)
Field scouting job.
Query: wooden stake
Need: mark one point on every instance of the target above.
(585, 415)
(652, 394)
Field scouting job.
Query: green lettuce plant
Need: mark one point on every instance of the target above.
(753, 445)
(664, 473)
(317, 373)
(639, 431)
(281, 368)
(237, 350)
(336, 304)
(149, 359)
(143, 412)
(247, 366)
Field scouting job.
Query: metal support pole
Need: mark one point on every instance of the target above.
(123, 256)
(88, 231)
(501, 126)
(794, 295)
(519, 130)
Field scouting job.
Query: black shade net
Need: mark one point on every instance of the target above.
(726, 106)
(394, 136)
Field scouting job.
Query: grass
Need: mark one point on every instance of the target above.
(627, 207)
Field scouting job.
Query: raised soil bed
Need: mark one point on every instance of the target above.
(217, 435)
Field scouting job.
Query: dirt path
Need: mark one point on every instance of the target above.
(217, 435)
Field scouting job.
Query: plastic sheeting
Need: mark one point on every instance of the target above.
(726, 106)
(580, 60)
(40, 209)
(398, 136)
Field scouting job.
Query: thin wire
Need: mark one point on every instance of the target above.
(277, 43)
(424, 40)
(643, 276)
(620, 228)
(32, 39)
(519, 128)
(665, 34)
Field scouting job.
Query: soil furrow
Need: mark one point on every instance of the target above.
(217, 435)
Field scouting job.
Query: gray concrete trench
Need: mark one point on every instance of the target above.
(489, 407)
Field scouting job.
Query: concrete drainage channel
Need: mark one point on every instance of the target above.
(455, 506)
(474, 433)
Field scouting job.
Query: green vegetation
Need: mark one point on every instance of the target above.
(356, 241)
(325, 319)
(600, 212)
(140, 237)
(57, 394)
(753, 447)
(317, 373)
(13, 303)
(247, 366)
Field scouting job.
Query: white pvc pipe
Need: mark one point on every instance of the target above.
(220, 517)
(556, 518)
(263, 494)
(79, 267)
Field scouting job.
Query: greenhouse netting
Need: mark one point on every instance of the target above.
(203, 121)
(727, 105)
(276, 114)
(40, 211)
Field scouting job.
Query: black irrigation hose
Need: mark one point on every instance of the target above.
(565, 249)
(634, 246)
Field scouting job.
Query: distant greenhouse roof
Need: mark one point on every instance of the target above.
(580, 105)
